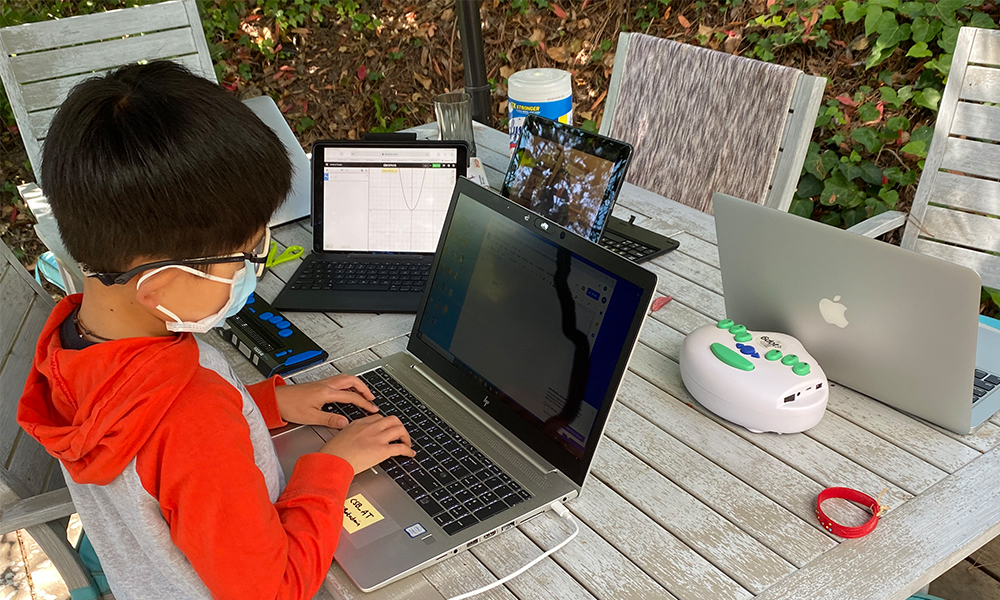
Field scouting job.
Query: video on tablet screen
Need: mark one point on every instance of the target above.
(562, 184)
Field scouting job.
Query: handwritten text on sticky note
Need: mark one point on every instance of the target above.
(359, 513)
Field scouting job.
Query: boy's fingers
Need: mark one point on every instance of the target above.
(335, 421)
(399, 450)
(397, 432)
(350, 397)
(356, 383)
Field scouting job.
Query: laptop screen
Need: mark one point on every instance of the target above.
(385, 199)
(535, 325)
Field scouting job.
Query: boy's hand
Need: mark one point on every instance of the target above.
(368, 441)
(303, 402)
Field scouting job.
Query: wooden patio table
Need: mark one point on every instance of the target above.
(681, 504)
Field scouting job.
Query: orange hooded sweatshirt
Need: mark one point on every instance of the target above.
(173, 471)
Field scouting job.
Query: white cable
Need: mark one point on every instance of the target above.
(563, 512)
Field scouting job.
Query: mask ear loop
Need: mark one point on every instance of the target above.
(187, 269)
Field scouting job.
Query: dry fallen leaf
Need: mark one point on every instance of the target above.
(684, 22)
(447, 14)
(506, 71)
(575, 45)
(558, 53)
(704, 29)
(424, 81)
(537, 36)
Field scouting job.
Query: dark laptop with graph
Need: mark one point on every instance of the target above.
(378, 208)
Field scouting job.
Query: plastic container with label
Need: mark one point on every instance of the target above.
(544, 92)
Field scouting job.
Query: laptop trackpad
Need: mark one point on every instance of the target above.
(365, 519)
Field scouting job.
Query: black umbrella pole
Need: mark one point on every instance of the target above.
(474, 60)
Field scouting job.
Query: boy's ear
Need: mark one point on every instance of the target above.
(151, 291)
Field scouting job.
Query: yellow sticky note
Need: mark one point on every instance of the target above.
(359, 513)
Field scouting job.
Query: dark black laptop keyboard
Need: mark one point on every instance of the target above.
(455, 484)
(626, 247)
(983, 384)
(380, 276)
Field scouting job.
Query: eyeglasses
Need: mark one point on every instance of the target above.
(257, 256)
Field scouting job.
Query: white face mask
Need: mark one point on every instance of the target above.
(241, 286)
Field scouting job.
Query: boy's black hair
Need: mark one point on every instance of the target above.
(152, 161)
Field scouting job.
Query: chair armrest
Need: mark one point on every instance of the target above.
(879, 224)
(36, 510)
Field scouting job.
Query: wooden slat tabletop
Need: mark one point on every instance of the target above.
(681, 504)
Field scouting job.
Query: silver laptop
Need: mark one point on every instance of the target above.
(896, 325)
(519, 346)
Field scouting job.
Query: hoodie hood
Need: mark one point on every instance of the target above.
(93, 409)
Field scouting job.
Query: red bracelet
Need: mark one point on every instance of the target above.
(854, 496)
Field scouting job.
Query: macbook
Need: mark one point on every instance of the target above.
(893, 324)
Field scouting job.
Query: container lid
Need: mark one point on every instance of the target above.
(539, 85)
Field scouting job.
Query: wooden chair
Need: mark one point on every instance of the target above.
(703, 121)
(956, 211)
(33, 494)
(40, 63)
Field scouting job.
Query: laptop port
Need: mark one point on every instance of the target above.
(789, 398)
(489, 535)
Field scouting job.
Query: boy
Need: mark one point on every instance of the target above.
(162, 185)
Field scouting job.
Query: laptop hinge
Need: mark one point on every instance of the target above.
(544, 469)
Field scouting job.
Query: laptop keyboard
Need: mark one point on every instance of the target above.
(626, 247)
(380, 276)
(452, 481)
(983, 384)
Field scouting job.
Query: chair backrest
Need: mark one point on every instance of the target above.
(703, 121)
(26, 469)
(41, 62)
(956, 211)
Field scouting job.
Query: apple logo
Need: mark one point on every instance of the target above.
(833, 311)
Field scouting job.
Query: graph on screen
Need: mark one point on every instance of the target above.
(393, 200)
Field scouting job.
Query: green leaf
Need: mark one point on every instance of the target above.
(904, 93)
(923, 133)
(941, 64)
(993, 294)
(924, 30)
(838, 190)
(944, 10)
(830, 160)
(855, 216)
(801, 207)
(852, 12)
(812, 164)
(916, 148)
(867, 137)
(911, 9)
(879, 54)
(831, 218)
(919, 50)
(809, 186)
(897, 123)
(889, 96)
(872, 19)
(868, 112)
(589, 125)
(890, 32)
(871, 173)
(949, 38)
(900, 176)
(928, 98)
(982, 20)
(891, 197)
